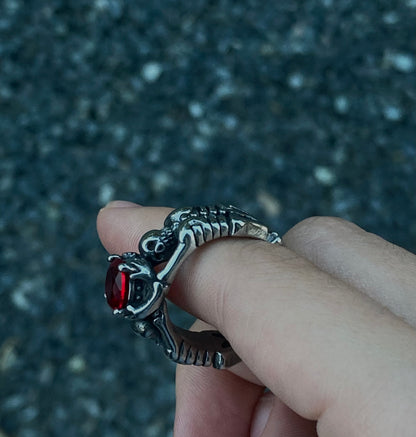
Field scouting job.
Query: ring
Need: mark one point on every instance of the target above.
(136, 290)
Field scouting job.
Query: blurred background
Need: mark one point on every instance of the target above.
(287, 109)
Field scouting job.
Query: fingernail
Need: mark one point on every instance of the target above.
(121, 204)
(261, 415)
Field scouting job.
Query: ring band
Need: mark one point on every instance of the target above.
(136, 291)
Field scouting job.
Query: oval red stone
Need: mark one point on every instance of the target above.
(116, 286)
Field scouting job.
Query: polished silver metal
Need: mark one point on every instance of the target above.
(185, 229)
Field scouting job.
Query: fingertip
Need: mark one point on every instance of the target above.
(261, 414)
(121, 227)
(107, 223)
(272, 417)
(122, 204)
(114, 204)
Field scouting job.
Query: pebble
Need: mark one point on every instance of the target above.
(327, 3)
(230, 122)
(393, 113)
(224, 90)
(151, 71)
(200, 144)
(269, 203)
(21, 293)
(296, 80)
(161, 180)
(91, 406)
(8, 354)
(340, 155)
(391, 17)
(6, 182)
(341, 104)
(105, 194)
(403, 62)
(12, 6)
(154, 429)
(77, 364)
(13, 402)
(196, 109)
(114, 7)
(53, 211)
(205, 128)
(324, 175)
(46, 373)
(29, 413)
(119, 132)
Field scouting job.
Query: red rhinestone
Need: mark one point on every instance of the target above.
(116, 286)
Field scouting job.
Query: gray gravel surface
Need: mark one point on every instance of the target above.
(287, 109)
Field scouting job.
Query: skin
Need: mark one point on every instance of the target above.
(326, 323)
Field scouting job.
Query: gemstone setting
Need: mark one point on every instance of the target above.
(117, 286)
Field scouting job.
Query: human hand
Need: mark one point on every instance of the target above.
(326, 322)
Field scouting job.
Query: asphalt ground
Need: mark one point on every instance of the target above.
(286, 109)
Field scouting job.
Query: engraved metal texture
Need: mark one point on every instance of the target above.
(185, 229)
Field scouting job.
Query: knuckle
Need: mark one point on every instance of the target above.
(322, 224)
(317, 230)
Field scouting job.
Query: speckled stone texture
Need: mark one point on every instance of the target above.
(287, 109)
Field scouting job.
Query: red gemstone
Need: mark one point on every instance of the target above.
(116, 286)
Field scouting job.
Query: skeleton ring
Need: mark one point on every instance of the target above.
(136, 290)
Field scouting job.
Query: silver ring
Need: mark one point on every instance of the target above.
(134, 289)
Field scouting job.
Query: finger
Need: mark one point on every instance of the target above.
(240, 369)
(382, 270)
(119, 228)
(272, 418)
(209, 402)
(313, 340)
